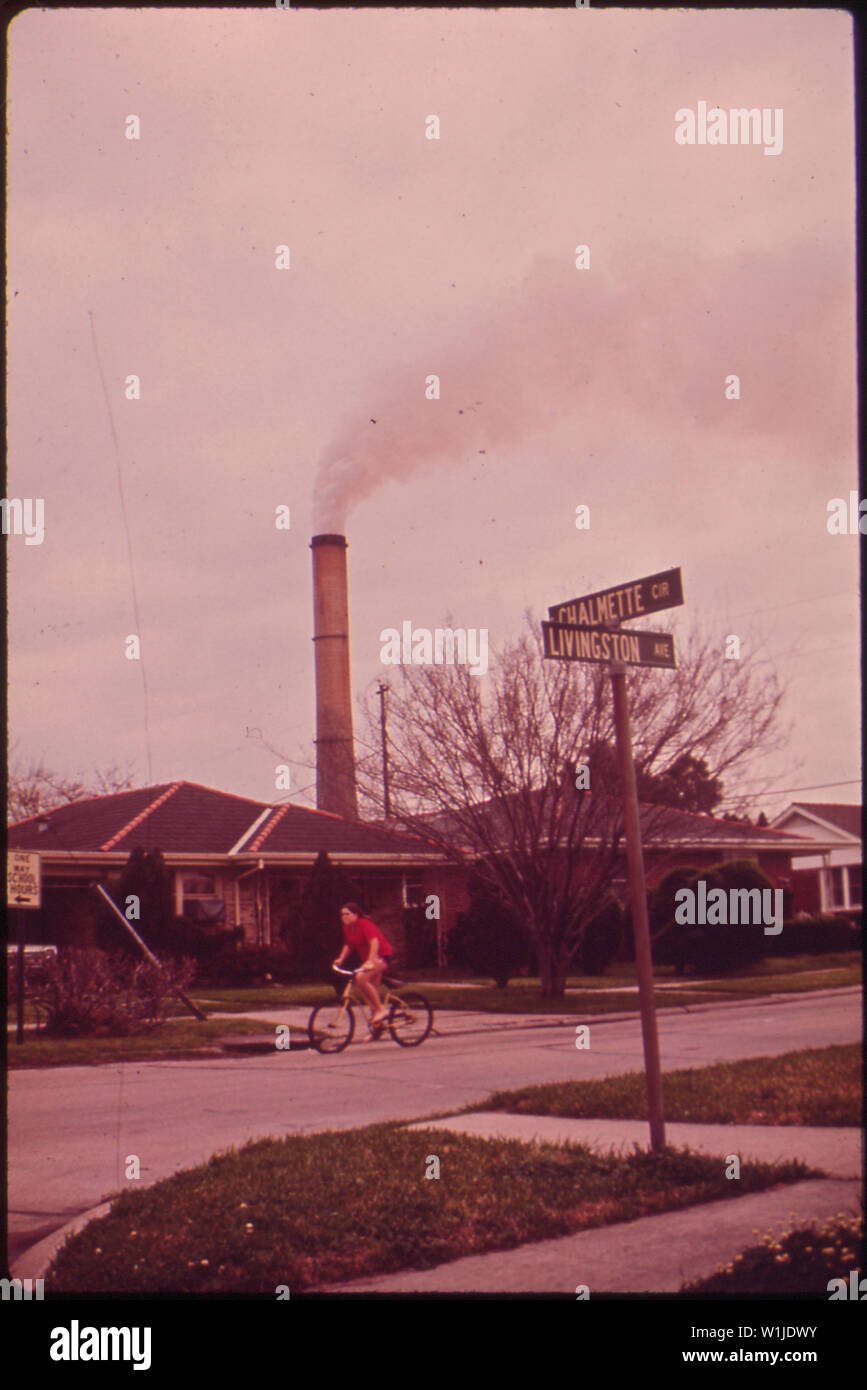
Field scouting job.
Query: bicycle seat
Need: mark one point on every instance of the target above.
(393, 981)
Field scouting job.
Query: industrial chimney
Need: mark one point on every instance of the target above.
(335, 759)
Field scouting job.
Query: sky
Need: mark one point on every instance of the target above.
(411, 257)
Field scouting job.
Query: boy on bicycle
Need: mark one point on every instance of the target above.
(375, 951)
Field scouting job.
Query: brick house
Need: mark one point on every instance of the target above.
(243, 863)
(236, 862)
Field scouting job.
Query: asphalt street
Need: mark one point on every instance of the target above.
(70, 1129)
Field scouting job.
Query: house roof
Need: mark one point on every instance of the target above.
(662, 827)
(186, 818)
(844, 817)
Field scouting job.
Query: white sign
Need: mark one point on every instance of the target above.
(22, 880)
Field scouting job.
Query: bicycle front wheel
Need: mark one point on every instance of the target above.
(410, 1020)
(331, 1027)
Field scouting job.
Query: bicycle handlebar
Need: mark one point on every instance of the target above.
(338, 971)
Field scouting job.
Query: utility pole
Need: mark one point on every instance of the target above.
(385, 794)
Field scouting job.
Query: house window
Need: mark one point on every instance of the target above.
(413, 890)
(200, 900)
(855, 890)
(836, 886)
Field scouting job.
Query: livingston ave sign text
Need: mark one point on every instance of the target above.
(564, 643)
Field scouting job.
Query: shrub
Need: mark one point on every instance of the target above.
(661, 900)
(420, 939)
(814, 1259)
(88, 992)
(601, 940)
(489, 939)
(815, 936)
(248, 965)
(716, 949)
(313, 934)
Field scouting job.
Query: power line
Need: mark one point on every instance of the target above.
(779, 791)
(774, 607)
(128, 543)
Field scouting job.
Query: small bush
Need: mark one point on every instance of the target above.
(805, 1260)
(715, 949)
(601, 940)
(248, 965)
(489, 939)
(90, 993)
(420, 939)
(661, 899)
(815, 936)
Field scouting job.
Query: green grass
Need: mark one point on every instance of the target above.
(804, 1260)
(795, 973)
(238, 1000)
(309, 1210)
(818, 1086)
(176, 1039)
(184, 1037)
(818, 978)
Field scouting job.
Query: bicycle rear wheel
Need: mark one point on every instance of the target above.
(331, 1027)
(410, 1019)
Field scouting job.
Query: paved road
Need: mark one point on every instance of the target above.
(71, 1128)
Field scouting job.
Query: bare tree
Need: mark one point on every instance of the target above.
(515, 772)
(33, 787)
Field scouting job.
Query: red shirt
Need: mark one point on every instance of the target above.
(362, 930)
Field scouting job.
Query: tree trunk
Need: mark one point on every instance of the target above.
(552, 973)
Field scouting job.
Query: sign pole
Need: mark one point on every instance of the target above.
(19, 1009)
(194, 1008)
(640, 928)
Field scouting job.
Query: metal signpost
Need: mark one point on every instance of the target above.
(23, 891)
(588, 629)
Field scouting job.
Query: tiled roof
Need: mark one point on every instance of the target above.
(848, 818)
(294, 828)
(185, 818)
(661, 826)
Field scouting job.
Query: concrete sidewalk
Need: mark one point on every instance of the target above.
(836, 1151)
(655, 1254)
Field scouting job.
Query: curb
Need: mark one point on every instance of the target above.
(42, 1253)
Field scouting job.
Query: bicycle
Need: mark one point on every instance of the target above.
(331, 1027)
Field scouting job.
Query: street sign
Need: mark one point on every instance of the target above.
(649, 595)
(22, 879)
(562, 642)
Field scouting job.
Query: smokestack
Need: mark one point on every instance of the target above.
(335, 758)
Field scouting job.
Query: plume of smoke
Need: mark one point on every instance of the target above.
(655, 345)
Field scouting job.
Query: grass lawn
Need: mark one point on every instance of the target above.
(309, 1210)
(804, 1260)
(794, 973)
(818, 1086)
(186, 1037)
(179, 1038)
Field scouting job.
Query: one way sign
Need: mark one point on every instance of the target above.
(22, 879)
